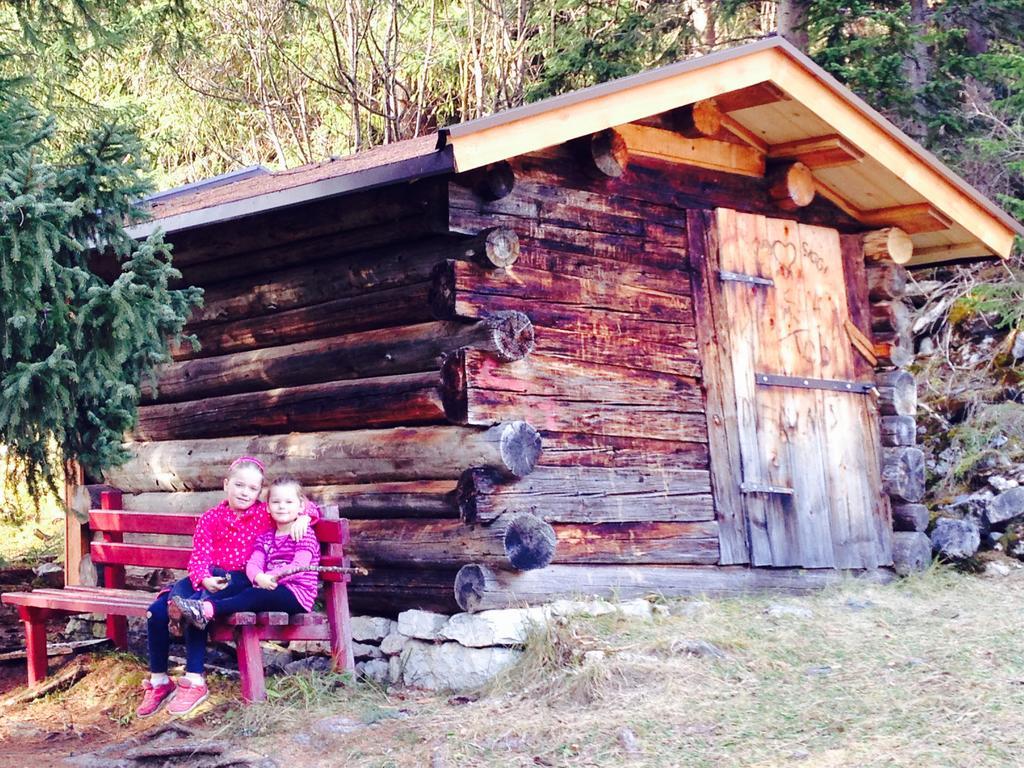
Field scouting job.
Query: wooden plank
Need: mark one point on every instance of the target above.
(714, 335)
(73, 602)
(411, 399)
(739, 237)
(590, 495)
(857, 303)
(567, 449)
(912, 219)
(151, 556)
(817, 152)
(644, 543)
(709, 153)
(791, 432)
(463, 290)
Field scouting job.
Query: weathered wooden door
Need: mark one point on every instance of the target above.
(806, 424)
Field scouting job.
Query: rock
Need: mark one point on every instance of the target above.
(371, 628)
(594, 657)
(1000, 483)
(1017, 350)
(955, 539)
(595, 607)
(926, 346)
(452, 667)
(423, 625)
(823, 671)
(997, 569)
(858, 604)
(505, 626)
(628, 740)
(336, 725)
(275, 657)
(701, 648)
(636, 609)
(1006, 507)
(377, 670)
(690, 608)
(310, 647)
(778, 610)
(971, 504)
(393, 644)
(50, 574)
(394, 669)
(366, 651)
(308, 664)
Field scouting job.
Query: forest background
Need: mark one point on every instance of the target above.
(98, 95)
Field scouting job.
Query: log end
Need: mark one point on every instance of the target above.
(520, 447)
(473, 483)
(512, 334)
(454, 390)
(529, 542)
(903, 473)
(501, 247)
(791, 186)
(609, 152)
(910, 517)
(471, 586)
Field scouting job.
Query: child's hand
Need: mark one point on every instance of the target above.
(299, 527)
(214, 583)
(265, 581)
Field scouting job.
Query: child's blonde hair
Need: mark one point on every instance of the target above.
(288, 480)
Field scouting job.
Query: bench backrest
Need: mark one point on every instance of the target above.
(112, 523)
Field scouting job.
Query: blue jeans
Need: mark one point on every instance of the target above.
(159, 636)
(255, 599)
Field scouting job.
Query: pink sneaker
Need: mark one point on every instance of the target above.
(187, 697)
(153, 697)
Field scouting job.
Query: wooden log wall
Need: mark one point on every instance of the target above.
(389, 347)
(889, 319)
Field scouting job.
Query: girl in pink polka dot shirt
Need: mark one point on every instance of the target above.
(222, 545)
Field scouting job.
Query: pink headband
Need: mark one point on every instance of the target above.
(249, 459)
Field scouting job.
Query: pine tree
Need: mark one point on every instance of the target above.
(74, 347)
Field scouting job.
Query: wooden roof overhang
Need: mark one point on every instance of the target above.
(777, 104)
(784, 107)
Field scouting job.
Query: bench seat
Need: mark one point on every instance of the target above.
(246, 630)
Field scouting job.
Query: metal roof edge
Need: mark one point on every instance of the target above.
(436, 163)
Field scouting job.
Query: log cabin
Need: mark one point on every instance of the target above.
(646, 337)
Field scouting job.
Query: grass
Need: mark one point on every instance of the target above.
(32, 542)
(926, 672)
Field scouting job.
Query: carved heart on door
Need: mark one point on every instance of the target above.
(785, 254)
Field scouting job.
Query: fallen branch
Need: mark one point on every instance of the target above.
(65, 679)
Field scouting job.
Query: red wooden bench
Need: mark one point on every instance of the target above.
(118, 603)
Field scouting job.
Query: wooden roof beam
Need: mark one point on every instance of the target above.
(915, 218)
(713, 154)
(753, 96)
(818, 152)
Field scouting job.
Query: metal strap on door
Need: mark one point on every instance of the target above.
(738, 277)
(799, 382)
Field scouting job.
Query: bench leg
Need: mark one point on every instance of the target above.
(117, 631)
(340, 623)
(34, 620)
(250, 665)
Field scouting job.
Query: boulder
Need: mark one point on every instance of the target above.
(453, 667)
(393, 644)
(320, 664)
(636, 609)
(423, 625)
(310, 647)
(377, 670)
(366, 651)
(505, 626)
(371, 628)
(595, 607)
(1006, 507)
(955, 539)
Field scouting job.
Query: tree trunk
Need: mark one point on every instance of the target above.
(792, 22)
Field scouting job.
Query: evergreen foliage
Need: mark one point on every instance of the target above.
(74, 346)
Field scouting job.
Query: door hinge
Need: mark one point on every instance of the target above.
(780, 490)
(738, 277)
